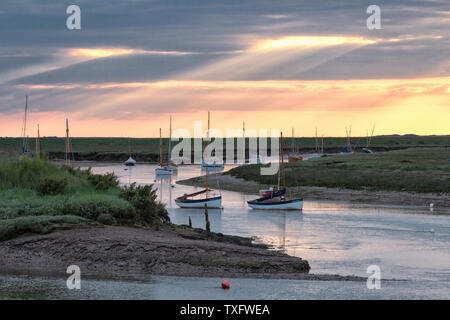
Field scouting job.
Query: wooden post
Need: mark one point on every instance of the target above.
(207, 225)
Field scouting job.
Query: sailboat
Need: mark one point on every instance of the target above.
(277, 200)
(211, 164)
(68, 144)
(130, 161)
(348, 148)
(161, 170)
(193, 201)
(369, 140)
(294, 156)
(170, 165)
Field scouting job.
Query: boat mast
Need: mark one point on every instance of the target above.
(317, 142)
(67, 143)
(160, 147)
(370, 139)
(322, 145)
(292, 147)
(24, 143)
(207, 143)
(243, 138)
(129, 146)
(282, 161)
(170, 138)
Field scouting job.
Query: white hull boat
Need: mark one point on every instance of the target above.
(276, 199)
(202, 199)
(210, 203)
(296, 204)
(172, 167)
(130, 162)
(212, 164)
(163, 171)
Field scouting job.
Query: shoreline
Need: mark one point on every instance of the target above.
(389, 198)
(121, 252)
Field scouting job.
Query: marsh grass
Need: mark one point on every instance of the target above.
(150, 146)
(35, 188)
(424, 170)
(10, 228)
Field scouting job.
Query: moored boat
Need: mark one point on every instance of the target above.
(130, 162)
(212, 164)
(267, 192)
(295, 204)
(170, 165)
(277, 200)
(162, 169)
(190, 201)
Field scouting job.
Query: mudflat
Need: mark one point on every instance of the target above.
(173, 251)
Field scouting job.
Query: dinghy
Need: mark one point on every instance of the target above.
(267, 192)
(130, 162)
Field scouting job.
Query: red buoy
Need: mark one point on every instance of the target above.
(225, 284)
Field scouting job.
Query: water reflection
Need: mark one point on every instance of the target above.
(282, 228)
(334, 237)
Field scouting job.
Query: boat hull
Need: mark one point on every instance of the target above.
(296, 204)
(211, 203)
(130, 162)
(212, 164)
(162, 172)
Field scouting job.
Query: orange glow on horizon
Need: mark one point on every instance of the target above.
(398, 106)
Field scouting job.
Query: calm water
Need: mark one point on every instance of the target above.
(335, 238)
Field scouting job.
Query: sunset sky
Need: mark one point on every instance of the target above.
(273, 64)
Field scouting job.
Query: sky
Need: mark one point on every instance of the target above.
(272, 64)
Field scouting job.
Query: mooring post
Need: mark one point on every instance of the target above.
(190, 222)
(208, 229)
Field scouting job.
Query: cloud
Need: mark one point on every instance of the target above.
(141, 58)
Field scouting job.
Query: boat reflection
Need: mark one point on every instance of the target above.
(281, 228)
(198, 218)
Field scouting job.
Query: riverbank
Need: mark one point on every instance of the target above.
(363, 196)
(121, 252)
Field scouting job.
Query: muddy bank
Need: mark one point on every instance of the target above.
(153, 157)
(105, 156)
(122, 251)
(440, 201)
